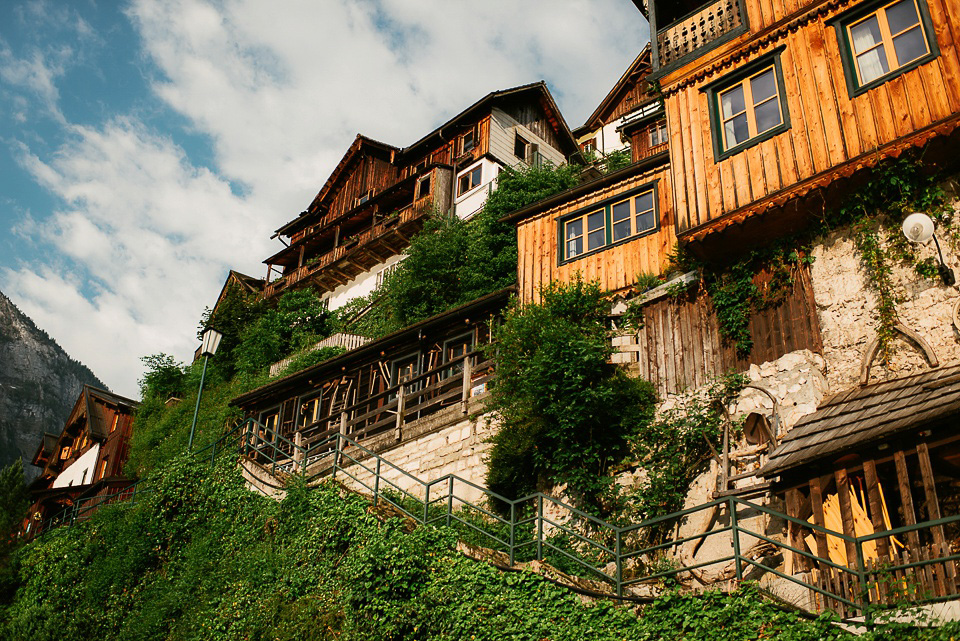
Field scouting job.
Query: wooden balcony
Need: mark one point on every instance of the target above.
(698, 29)
(358, 253)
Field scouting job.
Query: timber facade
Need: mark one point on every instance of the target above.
(353, 233)
(85, 460)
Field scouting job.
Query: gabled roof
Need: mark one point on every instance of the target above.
(638, 69)
(48, 444)
(487, 102)
(360, 143)
(86, 406)
(866, 415)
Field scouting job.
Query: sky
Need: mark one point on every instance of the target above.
(147, 147)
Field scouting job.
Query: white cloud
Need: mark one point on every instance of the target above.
(144, 234)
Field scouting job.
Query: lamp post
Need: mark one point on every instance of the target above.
(918, 228)
(211, 341)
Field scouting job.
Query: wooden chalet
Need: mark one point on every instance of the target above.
(381, 390)
(378, 196)
(628, 103)
(770, 103)
(870, 459)
(86, 459)
(247, 284)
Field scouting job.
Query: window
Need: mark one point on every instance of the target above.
(310, 410)
(588, 146)
(270, 419)
(402, 370)
(469, 180)
(423, 187)
(103, 469)
(520, 147)
(384, 273)
(468, 141)
(882, 41)
(616, 220)
(454, 349)
(116, 420)
(657, 134)
(748, 107)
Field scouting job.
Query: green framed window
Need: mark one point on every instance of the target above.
(748, 106)
(882, 40)
(613, 221)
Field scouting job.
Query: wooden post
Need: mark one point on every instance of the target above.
(816, 503)
(467, 375)
(401, 402)
(876, 506)
(846, 514)
(906, 498)
(298, 449)
(946, 572)
(793, 532)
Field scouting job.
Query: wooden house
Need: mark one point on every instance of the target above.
(381, 392)
(770, 103)
(870, 459)
(86, 459)
(629, 102)
(352, 234)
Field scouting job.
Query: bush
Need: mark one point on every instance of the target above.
(566, 413)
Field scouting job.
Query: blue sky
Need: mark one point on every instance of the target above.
(149, 146)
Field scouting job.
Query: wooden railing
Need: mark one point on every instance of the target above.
(698, 29)
(357, 241)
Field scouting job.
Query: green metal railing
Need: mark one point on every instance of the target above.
(542, 527)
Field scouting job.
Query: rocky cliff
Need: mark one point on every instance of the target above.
(39, 384)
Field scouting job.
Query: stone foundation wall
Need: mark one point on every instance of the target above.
(445, 443)
(847, 311)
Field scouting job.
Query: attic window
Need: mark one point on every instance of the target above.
(520, 147)
(116, 420)
(468, 141)
(364, 198)
(103, 469)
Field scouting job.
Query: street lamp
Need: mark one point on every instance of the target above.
(211, 341)
(918, 228)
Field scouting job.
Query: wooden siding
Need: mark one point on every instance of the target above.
(680, 346)
(503, 130)
(616, 267)
(828, 128)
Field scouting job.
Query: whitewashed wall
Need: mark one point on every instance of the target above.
(81, 471)
(362, 285)
(470, 203)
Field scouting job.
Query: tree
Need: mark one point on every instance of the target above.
(567, 413)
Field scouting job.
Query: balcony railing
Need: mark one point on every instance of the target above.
(698, 29)
(399, 219)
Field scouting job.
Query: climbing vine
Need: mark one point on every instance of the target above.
(873, 213)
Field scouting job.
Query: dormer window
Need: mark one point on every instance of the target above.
(468, 141)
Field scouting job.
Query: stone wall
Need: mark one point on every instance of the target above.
(445, 443)
(847, 311)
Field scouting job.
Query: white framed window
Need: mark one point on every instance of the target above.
(469, 179)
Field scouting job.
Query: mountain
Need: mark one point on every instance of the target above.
(39, 384)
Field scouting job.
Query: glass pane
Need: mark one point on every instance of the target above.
(865, 34)
(621, 211)
(732, 102)
(763, 86)
(575, 228)
(574, 247)
(596, 239)
(621, 229)
(872, 65)
(646, 222)
(736, 130)
(595, 221)
(643, 202)
(902, 15)
(909, 46)
(768, 115)
(475, 176)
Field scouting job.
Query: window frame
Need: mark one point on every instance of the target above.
(740, 77)
(469, 172)
(465, 339)
(316, 396)
(606, 206)
(844, 21)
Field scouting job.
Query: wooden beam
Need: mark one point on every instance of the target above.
(846, 514)
(906, 497)
(876, 505)
(816, 502)
(947, 579)
(792, 559)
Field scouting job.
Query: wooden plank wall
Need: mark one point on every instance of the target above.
(366, 173)
(680, 347)
(616, 267)
(502, 137)
(828, 128)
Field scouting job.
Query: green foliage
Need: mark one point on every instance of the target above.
(310, 358)
(675, 448)
(617, 160)
(164, 378)
(13, 508)
(646, 282)
(368, 316)
(238, 310)
(566, 412)
(203, 558)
